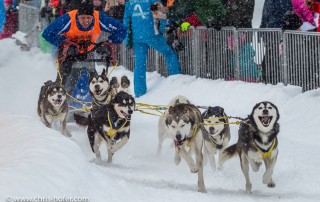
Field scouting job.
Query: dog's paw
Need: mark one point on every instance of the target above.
(177, 159)
(271, 184)
(194, 169)
(248, 188)
(202, 190)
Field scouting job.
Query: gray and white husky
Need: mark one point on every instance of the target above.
(53, 105)
(217, 135)
(257, 142)
(183, 124)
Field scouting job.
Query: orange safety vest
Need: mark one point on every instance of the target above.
(170, 3)
(77, 36)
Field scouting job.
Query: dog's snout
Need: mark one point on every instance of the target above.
(212, 129)
(130, 111)
(59, 96)
(96, 86)
(265, 111)
(178, 136)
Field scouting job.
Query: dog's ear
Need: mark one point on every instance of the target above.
(171, 110)
(113, 80)
(125, 82)
(93, 74)
(169, 120)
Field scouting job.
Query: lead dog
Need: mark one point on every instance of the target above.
(109, 123)
(217, 135)
(183, 124)
(53, 106)
(257, 142)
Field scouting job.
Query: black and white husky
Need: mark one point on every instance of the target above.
(183, 124)
(102, 91)
(109, 123)
(257, 142)
(53, 105)
(217, 135)
(99, 88)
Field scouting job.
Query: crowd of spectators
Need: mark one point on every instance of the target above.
(145, 21)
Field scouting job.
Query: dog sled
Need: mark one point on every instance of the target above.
(83, 64)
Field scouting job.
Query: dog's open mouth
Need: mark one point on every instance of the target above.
(57, 102)
(98, 92)
(179, 143)
(265, 120)
(127, 116)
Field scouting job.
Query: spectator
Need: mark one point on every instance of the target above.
(98, 5)
(117, 11)
(138, 18)
(239, 13)
(301, 9)
(314, 6)
(2, 15)
(291, 21)
(248, 68)
(11, 24)
(77, 30)
(209, 12)
(272, 13)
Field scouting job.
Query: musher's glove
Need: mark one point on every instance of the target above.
(184, 26)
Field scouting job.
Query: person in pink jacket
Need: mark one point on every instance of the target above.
(301, 9)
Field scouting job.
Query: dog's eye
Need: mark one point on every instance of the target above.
(173, 127)
(101, 81)
(183, 125)
(208, 121)
(93, 82)
(259, 107)
(269, 107)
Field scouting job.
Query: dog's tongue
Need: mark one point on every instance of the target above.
(57, 102)
(265, 119)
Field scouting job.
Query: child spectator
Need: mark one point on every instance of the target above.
(301, 9)
(248, 68)
(11, 24)
(314, 6)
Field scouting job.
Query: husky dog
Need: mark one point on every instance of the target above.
(110, 122)
(162, 127)
(99, 88)
(118, 84)
(257, 142)
(217, 135)
(183, 124)
(53, 105)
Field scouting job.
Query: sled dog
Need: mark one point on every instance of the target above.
(99, 88)
(183, 124)
(217, 133)
(162, 127)
(109, 123)
(118, 84)
(257, 142)
(53, 105)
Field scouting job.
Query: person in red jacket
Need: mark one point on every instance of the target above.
(314, 6)
(11, 24)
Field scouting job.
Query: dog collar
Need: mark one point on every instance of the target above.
(265, 153)
(113, 131)
(194, 133)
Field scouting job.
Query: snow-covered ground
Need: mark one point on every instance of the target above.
(39, 162)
